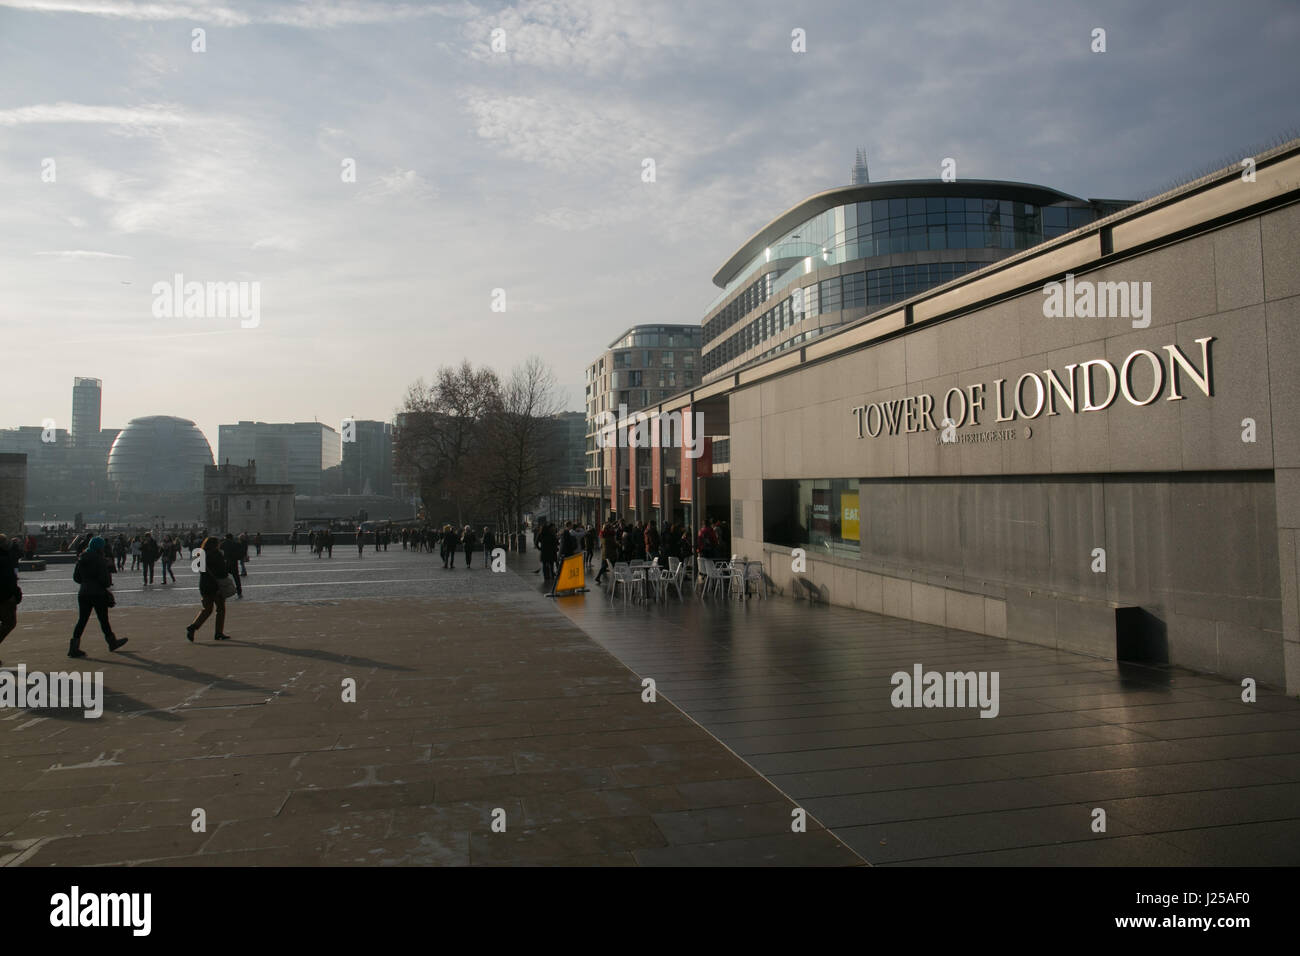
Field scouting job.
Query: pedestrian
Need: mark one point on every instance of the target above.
(257, 543)
(608, 547)
(231, 550)
(95, 575)
(468, 541)
(11, 594)
(489, 545)
(548, 543)
(569, 544)
(243, 554)
(148, 557)
(135, 552)
(170, 550)
(329, 542)
(361, 543)
(452, 541)
(214, 582)
(293, 542)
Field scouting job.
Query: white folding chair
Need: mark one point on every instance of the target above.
(623, 576)
(754, 575)
(674, 581)
(736, 581)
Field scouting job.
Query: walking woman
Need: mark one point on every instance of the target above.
(212, 590)
(470, 544)
(95, 575)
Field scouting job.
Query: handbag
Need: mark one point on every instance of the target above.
(226, 586)
(110, 600)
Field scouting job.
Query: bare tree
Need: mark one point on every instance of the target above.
(441, 434)
(523, 453)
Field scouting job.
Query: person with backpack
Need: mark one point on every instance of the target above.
(214, 584)
(95, 575)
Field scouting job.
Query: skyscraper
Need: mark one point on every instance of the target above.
(86, 399)
(859, 171)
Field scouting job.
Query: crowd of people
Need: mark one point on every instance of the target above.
(224, 560)
(221, 566)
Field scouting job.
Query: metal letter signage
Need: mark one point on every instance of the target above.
(1091, 386)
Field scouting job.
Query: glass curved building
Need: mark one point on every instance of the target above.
(159, 454)
(847, 252)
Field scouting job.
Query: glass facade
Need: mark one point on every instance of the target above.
(872, 288)
(865, 230)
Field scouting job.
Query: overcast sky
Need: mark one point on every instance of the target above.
(522, 170)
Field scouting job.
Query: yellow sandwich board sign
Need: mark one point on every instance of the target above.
(572, 580)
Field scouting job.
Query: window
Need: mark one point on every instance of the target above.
(688, 360)
(666, 360)
(813, 513)
(855, 290)
(828, 291)
(248, 506)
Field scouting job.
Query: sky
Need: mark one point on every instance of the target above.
(383, 174)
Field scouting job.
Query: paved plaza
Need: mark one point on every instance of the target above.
(478, 699)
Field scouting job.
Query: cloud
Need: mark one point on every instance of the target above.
(145, 116)
(571, 133)
(279, 243)
(309, 16)
(81, 254)
(402, 182)
(584, 37)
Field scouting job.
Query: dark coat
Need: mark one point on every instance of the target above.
(210, 578)
(233, 551)
(548, 544)
(94, 574)
(8, 575)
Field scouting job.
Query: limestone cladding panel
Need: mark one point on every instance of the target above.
(1239, 265)
(1280, 235)
(1283, 331)
(1212, 432)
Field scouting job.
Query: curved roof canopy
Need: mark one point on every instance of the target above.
(897, 189)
